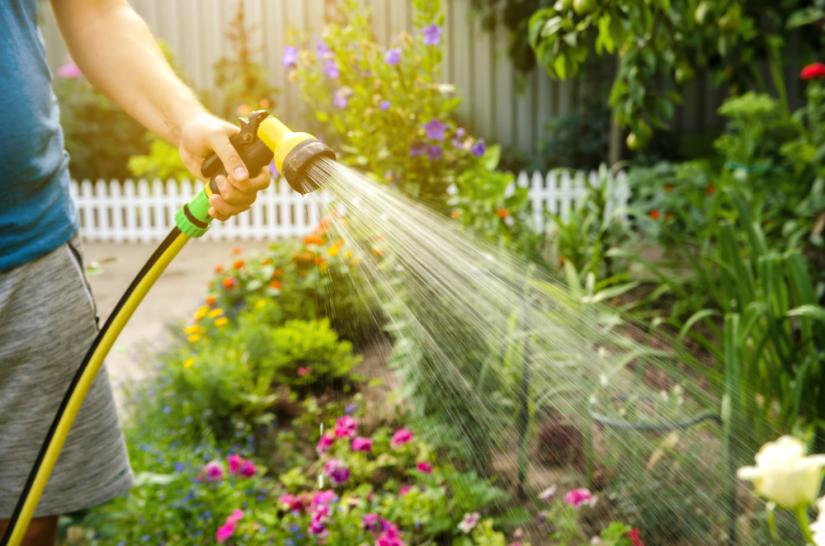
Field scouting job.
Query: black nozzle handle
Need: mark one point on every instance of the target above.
(255, 156)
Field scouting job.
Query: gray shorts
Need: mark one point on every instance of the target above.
(47, 323)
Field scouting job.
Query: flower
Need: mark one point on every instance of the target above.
(432, 34)
(69, 71)
(201, 312)
(220, 322)
(303, 371)
(341, 98)
(234, 463)
(333, 250)
(784, 474)
(331, 70)
(291, 502)
(290, 57)
(229, 283)
(360, 443)
(578, 497)
(322, 51)
(424, 467)
(384, 105)
(323, 498)
(502, 213)
(313, 239)
(324, 443)
(417, 149)
(393, 56)
(275, 284)
(434, 152)
(213, 471)
(188, 363)
(235, 516)
(370, 521)
(402, 436)
(548, 493)
(813, 71)
(479, 148)
(635, 537)
(345, 427)
(435, 129)
(404, 489)
(469, 522)
(247, 469)
(215, 313)
(224, 532)
(238, 264)
(655, 214)
(211, 300)
(218, 268)
(455, 214)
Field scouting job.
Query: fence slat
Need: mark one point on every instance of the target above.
(143, 211)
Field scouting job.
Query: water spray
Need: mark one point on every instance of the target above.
(261, 139)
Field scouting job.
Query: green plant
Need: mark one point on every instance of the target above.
(161, 162)
(577, 139)
(99, 136)
(241, 84)
(386, 108)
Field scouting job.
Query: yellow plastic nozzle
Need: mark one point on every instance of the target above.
(280, 139)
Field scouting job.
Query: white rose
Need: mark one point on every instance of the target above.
(784, 474)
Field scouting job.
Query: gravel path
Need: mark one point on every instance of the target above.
(171, 301)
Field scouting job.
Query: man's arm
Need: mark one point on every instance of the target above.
(118, 54)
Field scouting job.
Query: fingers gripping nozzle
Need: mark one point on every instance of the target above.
(261, 138)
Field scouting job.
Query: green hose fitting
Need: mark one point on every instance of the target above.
(193, 218)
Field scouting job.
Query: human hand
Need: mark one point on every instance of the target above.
(205, 134)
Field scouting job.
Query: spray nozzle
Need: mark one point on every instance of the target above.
(295, 153)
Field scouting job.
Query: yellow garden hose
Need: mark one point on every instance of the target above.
(261, 137)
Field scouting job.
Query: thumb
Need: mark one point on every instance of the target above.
(229, 156)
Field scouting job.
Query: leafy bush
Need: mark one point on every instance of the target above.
(577, 139)
(386, 109)
(99, 136)
(162, 162)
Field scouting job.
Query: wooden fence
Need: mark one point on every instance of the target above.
(144, 211)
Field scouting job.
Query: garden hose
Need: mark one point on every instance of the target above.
(261, 138)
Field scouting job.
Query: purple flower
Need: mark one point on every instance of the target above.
(342, 96)
(435, 129)
(331, 70)
(384, 105)
(432, 34)
(434, 152)
(479, 148)
(69, 71)
(418, 149)
(360, 443)
(371, 521)
(337, 471)
(290, 57)
(322, 51)
(393, 56)
(350, 409)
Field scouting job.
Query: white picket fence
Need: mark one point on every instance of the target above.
(144, 211)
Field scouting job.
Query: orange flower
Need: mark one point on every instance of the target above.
(655, 214)
(502, 213)
(313, 239)
(218, 268)
(229, 283)
(319, 260)
(211, 300)
(377, 251)
(235, 251)
(455, 214)
(276, 284)
(239, 264)
(304, 258)
(279, 272)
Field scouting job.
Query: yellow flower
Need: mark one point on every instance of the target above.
(193, 338)
(215, 313)
(201, 312)
(192, 329)
(260, 304)
(188, 362)
(333, 250)
(222, 321)
(348, 254)
(784, 474)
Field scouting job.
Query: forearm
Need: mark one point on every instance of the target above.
(118, 54)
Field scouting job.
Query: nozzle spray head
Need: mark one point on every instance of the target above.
(295, 153)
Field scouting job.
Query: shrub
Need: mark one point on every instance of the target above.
(161, 162)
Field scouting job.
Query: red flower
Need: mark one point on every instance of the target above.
(655, 214)
(635, 537)
(229, 283)
(813, 71)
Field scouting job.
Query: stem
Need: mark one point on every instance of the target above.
(804, 524)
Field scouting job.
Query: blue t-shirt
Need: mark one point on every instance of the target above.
(36, 211)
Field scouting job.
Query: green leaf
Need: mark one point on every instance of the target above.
(809, 311)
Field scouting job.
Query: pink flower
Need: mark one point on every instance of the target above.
(235, 516)
(578, 497)
(635, 537)
(371, 521)
(304, 371)
(424, 467)
(234, 463)
(345, 427)
(323, 498)
(69, 71)
(291, 502)
(360, 443)
(224, 532)
(469, 522)
(337, 471)
(390, 535)
(324, 443)
(402, 436)
(406, 488)
(813, 71)
(247, 469)
(213, 471)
